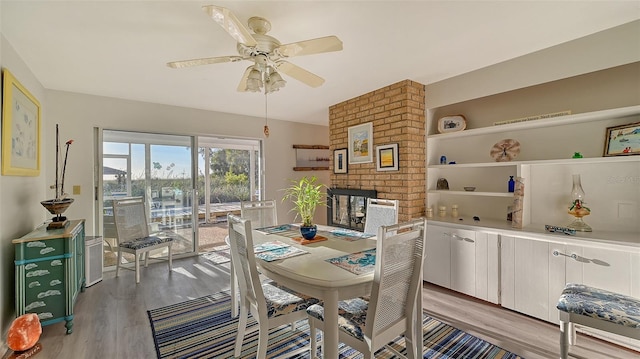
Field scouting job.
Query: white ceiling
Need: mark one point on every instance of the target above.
(119, 48)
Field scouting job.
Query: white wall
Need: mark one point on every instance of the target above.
(614, 47)
(78, 114)
(20, 209)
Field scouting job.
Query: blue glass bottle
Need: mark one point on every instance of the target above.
(512, 184)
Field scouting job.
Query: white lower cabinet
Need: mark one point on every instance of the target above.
(531, 277)
(534, 272)
(528, 273)
(611, 269)
(437, 262)
(488, 267)
(462, 260)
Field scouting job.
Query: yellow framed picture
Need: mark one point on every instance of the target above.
(387, 157)
(20, 129)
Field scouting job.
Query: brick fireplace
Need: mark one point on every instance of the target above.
(398, 115)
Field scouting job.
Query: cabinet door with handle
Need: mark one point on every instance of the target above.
(463, 260)
(615, 270)
(532, 276)
(437, 262)
(608, 269)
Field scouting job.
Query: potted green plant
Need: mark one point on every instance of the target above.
(306, 195)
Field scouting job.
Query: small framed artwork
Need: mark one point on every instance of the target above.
(387, 157)
(340, 160)
(20, 129)
(623, 140)
(360, 143)
(452, 123)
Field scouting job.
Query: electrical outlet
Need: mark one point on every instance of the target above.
(76, 189)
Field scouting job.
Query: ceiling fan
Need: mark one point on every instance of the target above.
(266, 52)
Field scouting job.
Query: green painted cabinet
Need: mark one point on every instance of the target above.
(50, 272)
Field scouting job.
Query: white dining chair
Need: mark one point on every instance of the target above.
(395, 306)
(261, 214)
(132, 232)
(380, 212)
(270, 305)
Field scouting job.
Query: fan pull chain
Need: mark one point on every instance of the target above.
(266, 116)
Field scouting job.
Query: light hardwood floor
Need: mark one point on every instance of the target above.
(111, 316)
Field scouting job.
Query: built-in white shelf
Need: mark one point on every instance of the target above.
(563, 161)
(549, 122)
(473, 193)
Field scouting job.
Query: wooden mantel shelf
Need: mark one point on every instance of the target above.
(311, 147)
(311, 168)
(310, 160)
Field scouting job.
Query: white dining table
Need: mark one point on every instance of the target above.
(312, 275)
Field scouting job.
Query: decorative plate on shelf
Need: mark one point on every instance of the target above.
(452, 123)
(505, 150)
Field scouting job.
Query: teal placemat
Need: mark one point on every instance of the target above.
(358, 263)
(281, 253)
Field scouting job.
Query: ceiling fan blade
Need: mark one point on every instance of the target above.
(204, 61)
(242, 86)
(299, 74)
(308, 47)
(230, 23)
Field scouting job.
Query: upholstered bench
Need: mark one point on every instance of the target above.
(596, 308)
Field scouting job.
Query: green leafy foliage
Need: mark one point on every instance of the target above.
(306, 195)
(232, 178)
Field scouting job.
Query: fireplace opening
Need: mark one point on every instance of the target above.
(347, 208)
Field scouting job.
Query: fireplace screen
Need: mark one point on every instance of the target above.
(348, 207)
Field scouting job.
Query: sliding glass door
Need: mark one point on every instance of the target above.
(189, 184)
(228, 173)
(159, 168)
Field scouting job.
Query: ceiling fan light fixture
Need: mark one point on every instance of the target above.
(275, 80)
(254, 81)
(267, 55)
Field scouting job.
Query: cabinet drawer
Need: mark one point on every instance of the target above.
(48, 308)
(39, 249)
(43, 279)
(44, 289)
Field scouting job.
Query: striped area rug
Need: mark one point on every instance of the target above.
(203, 328)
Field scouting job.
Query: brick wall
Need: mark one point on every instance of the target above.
(398, 115)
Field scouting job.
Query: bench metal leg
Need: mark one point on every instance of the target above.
(572, 334)
(565, 334)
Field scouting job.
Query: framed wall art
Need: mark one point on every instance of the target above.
(623, 140)
(20, 129)
(340, 161)
(387, 157)
(360, 143)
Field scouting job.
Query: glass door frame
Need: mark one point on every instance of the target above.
(255, 163)
(148, 143)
